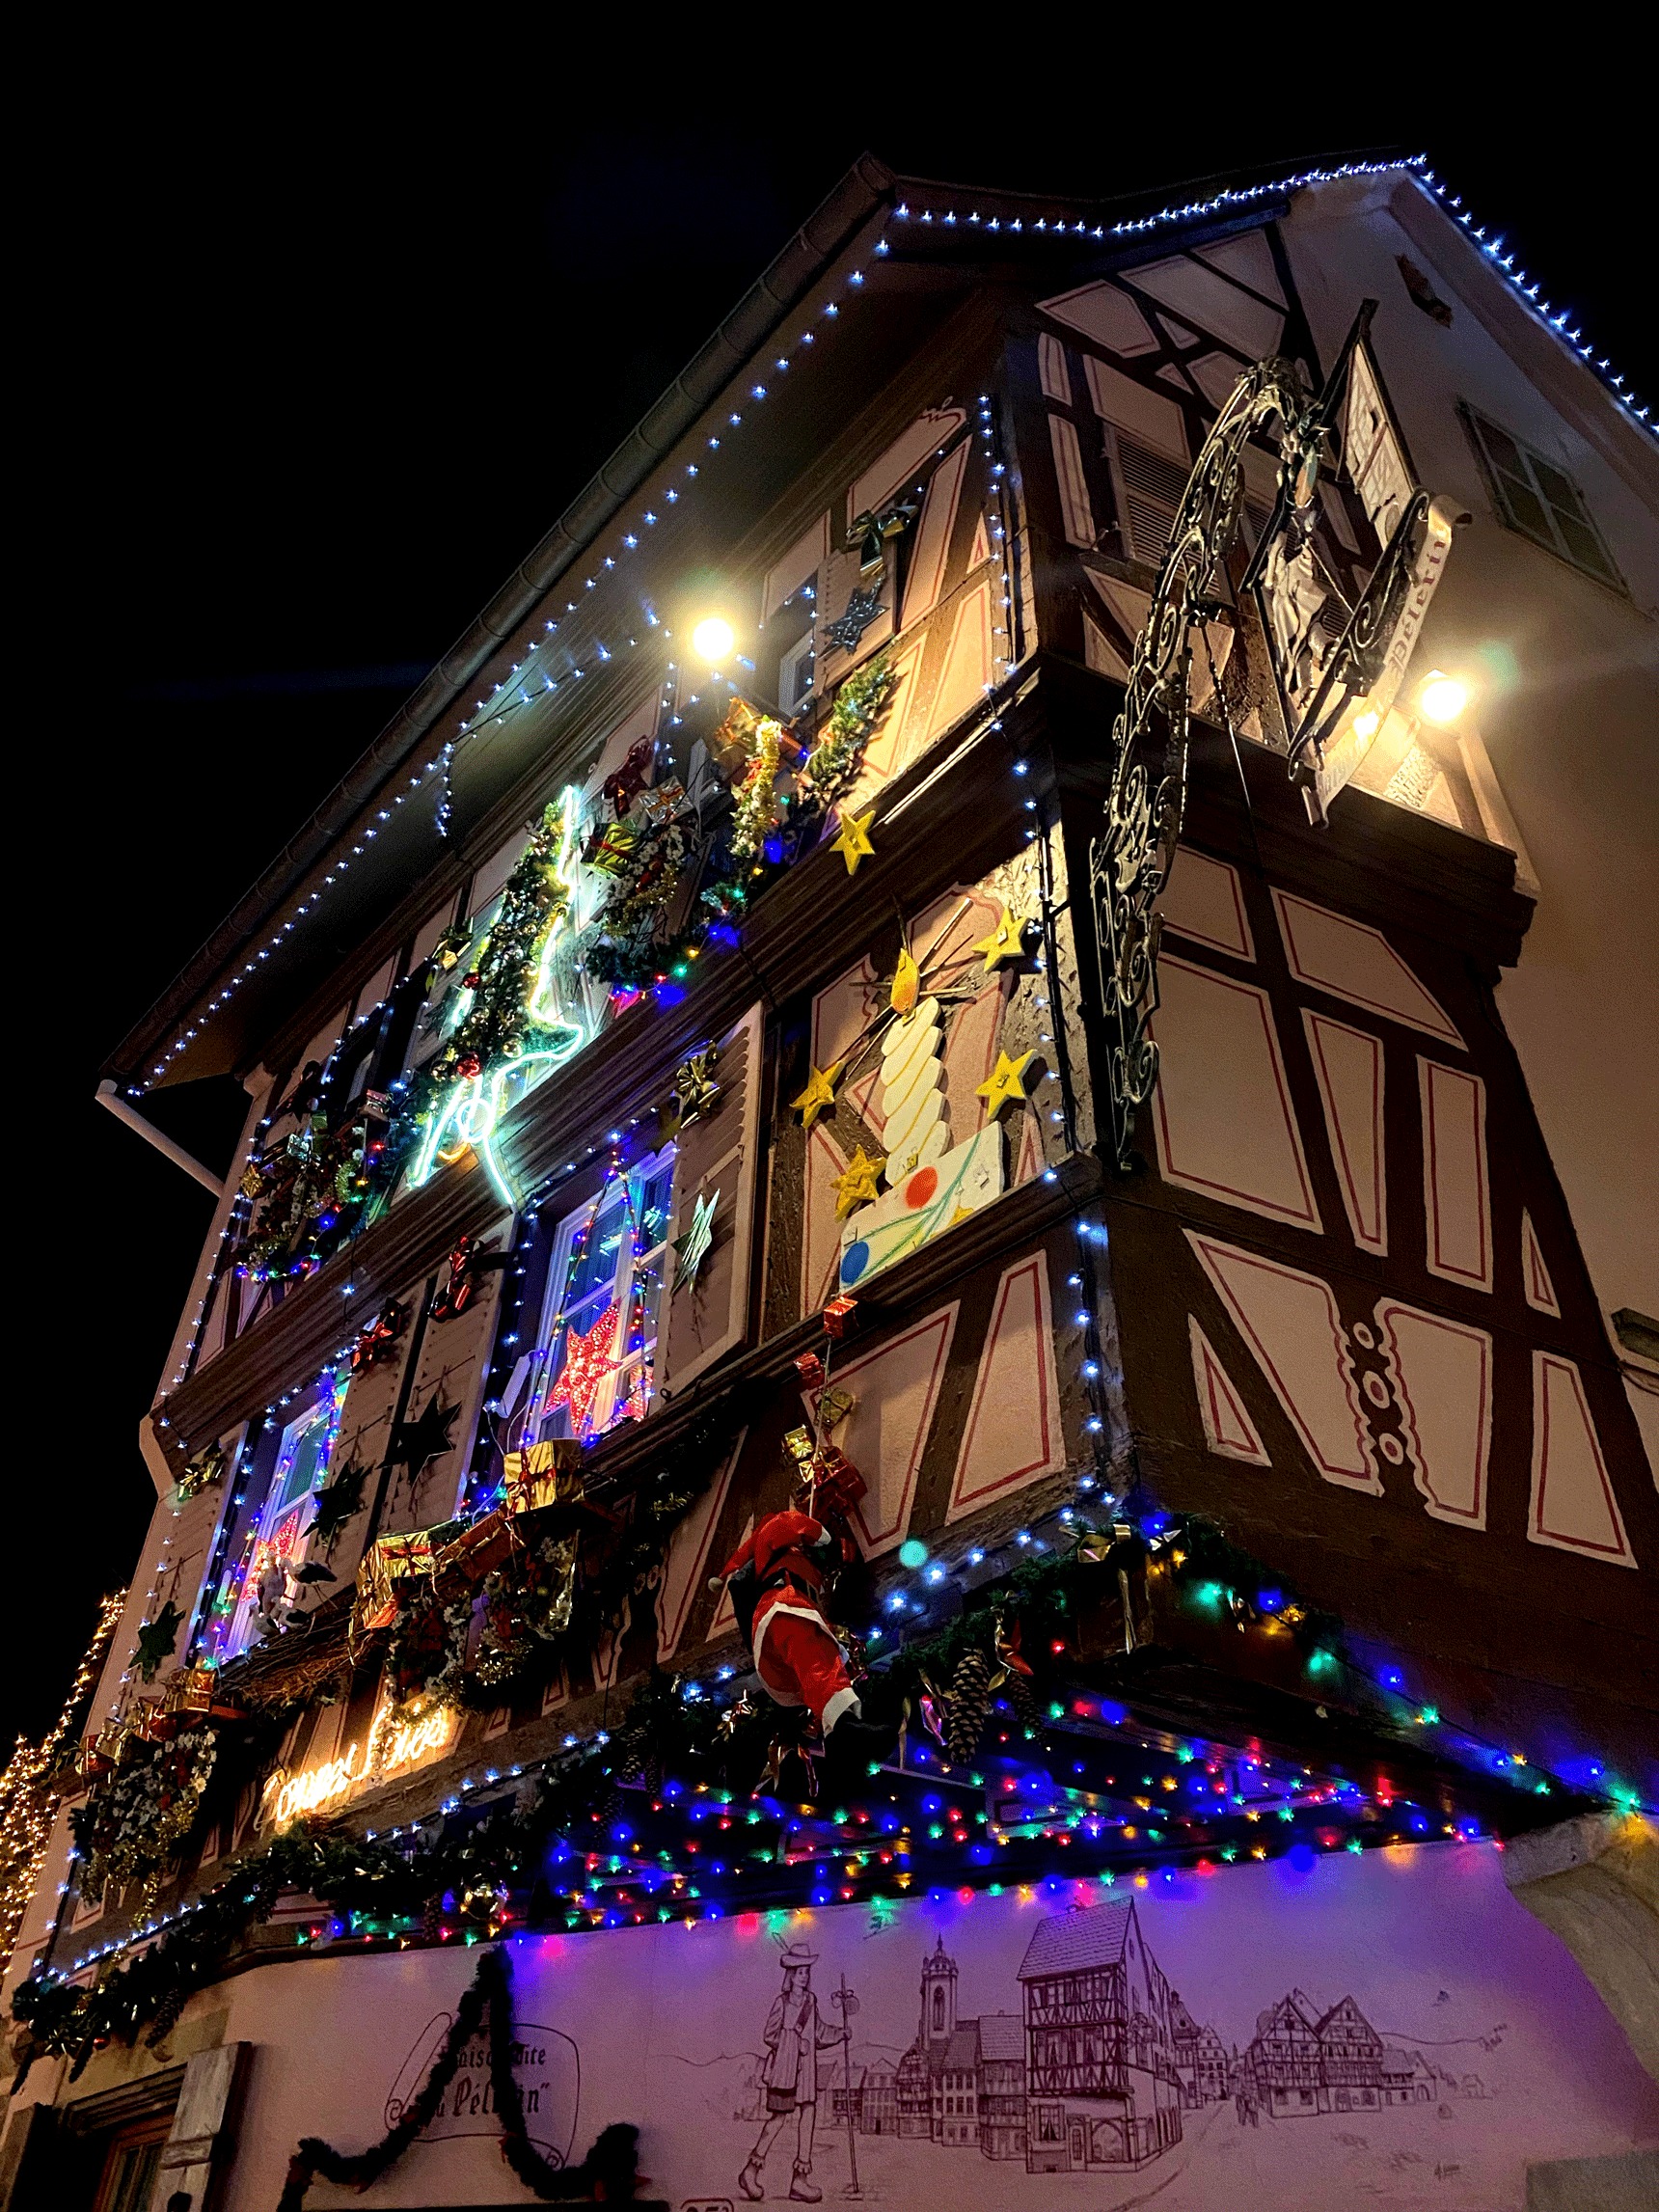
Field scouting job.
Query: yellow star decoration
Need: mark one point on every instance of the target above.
(819, 1093)
(1003, 944)
(906, 983)
(1007, 1083)
(854, 840)
(859, 1184)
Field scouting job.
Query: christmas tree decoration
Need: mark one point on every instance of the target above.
(155, 1641)
(820, 1092)
(588, 1360)
(338, 1504)
(858, 1183)
(468, 1263)
(852, 840)
(692, 1246)
(863, 605)
(1007, 1083)
(870, 533)
(694, 1094)
(508, 1025)
(415, 1444)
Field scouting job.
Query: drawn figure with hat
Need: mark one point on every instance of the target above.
(795, 2034)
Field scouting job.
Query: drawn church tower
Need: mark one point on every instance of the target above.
(939, 2001)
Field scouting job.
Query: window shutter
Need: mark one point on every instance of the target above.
(365, 1434)
(704, 1319)
(200, 2135)
(451, 1369)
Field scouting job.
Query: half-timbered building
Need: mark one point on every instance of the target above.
(1032, 906)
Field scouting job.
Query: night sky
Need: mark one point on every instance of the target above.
(308, 369)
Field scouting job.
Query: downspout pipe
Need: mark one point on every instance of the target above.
(109, 1095)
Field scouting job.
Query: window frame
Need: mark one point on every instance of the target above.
(611, 1400)
(1476, 428)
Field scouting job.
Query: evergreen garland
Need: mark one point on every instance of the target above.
(608, 2174)
(663, 1730)
(838, 748)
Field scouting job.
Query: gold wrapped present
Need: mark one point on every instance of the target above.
(390, 1561)
(547, 1474)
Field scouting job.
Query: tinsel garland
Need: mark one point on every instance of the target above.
(608, 2173)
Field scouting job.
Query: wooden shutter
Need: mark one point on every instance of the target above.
(202, 2120)
(454, 1363)
(709, 1316)
(364, 1433)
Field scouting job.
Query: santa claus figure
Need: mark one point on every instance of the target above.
(778, 1579)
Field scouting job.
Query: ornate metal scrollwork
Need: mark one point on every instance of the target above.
(1130, 859)
(1334, 685)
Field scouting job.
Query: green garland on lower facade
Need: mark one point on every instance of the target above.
(1014, 1623)
(608, 2173)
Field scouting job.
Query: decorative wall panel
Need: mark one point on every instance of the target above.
(1013, 1432)
(1442, 1373)
(1291, 1322)
(1222, 1109)
(1228, 1429)
(1573, 1506)
(1348, 1066)
(1352, 961)
(1455, 1192)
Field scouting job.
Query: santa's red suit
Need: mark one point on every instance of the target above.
(776, 1577)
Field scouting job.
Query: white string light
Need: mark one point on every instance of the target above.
(635, 533)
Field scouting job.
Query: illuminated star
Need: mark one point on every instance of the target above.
(1004, 943)
(1007, 1084)
(588, 1360)
(859, 1184)
(819, 1093)
(854, 840)
(692, 1245)
(906, 983)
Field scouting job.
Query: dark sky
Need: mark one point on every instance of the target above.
(315, 352)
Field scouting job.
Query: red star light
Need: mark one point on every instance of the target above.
(588, 1360)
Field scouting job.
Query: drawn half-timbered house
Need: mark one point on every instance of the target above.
(1237, 1152)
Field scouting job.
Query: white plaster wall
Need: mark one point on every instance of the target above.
(1574, 738)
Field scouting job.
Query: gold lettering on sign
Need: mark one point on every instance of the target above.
(407, 1743)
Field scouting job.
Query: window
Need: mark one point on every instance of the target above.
(1533, 496)
(284, 1519)
(604, 1289)
(795, 674)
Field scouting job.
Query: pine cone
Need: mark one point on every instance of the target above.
(1021, 1700)
(969, 1704)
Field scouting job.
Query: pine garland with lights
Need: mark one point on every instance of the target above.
(29, 1792)
(838, 745)
(473, 1869)
(499, 1020)
(132, 1826)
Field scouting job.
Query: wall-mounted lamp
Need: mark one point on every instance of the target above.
(1441, 699)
